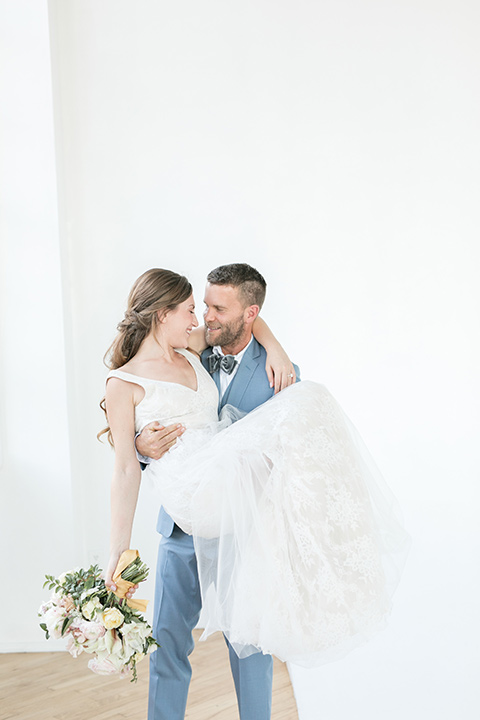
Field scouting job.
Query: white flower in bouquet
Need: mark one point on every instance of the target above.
(92, 630)
(96, 645)
(73, 645)
(54, 617)
(105, 664)
(96, 621)
(91, 608)
(134, 636)
(114, 645)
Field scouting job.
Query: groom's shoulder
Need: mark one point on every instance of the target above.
(255, 349)
(204, 355)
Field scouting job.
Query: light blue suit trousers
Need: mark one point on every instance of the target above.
(177, 592)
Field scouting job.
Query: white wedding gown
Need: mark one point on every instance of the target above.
(297, 539)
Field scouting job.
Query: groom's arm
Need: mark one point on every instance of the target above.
(155, 440)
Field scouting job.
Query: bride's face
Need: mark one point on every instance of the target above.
(177, 324)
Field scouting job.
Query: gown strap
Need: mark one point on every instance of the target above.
(129, 377)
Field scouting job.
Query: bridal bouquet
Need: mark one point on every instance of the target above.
(97, 621)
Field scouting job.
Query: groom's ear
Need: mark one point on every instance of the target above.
(251, 313)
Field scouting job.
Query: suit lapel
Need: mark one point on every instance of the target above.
(246, 370)
(216, 374)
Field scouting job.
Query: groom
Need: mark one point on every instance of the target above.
(233, 298)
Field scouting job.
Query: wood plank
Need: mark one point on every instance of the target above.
(54, 686)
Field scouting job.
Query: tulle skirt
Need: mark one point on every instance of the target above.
(298, 540)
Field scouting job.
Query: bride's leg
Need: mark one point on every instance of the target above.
(177, 609)
(253, 677)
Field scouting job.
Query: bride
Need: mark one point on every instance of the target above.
(296, 538)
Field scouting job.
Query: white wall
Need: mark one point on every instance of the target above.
(334, 146)
(36, 517)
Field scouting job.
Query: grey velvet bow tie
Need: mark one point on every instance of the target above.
(221, 362)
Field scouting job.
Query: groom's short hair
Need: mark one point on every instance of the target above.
(250, 282)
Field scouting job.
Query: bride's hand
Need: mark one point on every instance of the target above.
(131, 591)
(280, 370)
(109, 572)
(112, 564)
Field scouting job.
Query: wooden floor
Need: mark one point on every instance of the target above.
(55, 686)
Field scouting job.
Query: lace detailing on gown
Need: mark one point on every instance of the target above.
(297, 541)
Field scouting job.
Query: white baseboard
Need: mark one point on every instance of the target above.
(38, 646)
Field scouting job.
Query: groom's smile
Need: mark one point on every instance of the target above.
(224, 318)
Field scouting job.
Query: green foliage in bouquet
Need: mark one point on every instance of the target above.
(94, 620)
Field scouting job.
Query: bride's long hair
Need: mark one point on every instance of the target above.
(152, 294)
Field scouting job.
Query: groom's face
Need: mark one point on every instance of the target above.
(224, 315)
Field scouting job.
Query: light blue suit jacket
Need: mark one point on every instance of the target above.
(248, 389)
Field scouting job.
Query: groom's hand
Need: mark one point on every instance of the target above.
(155, 439)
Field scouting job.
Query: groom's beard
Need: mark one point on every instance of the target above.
(229, 333)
